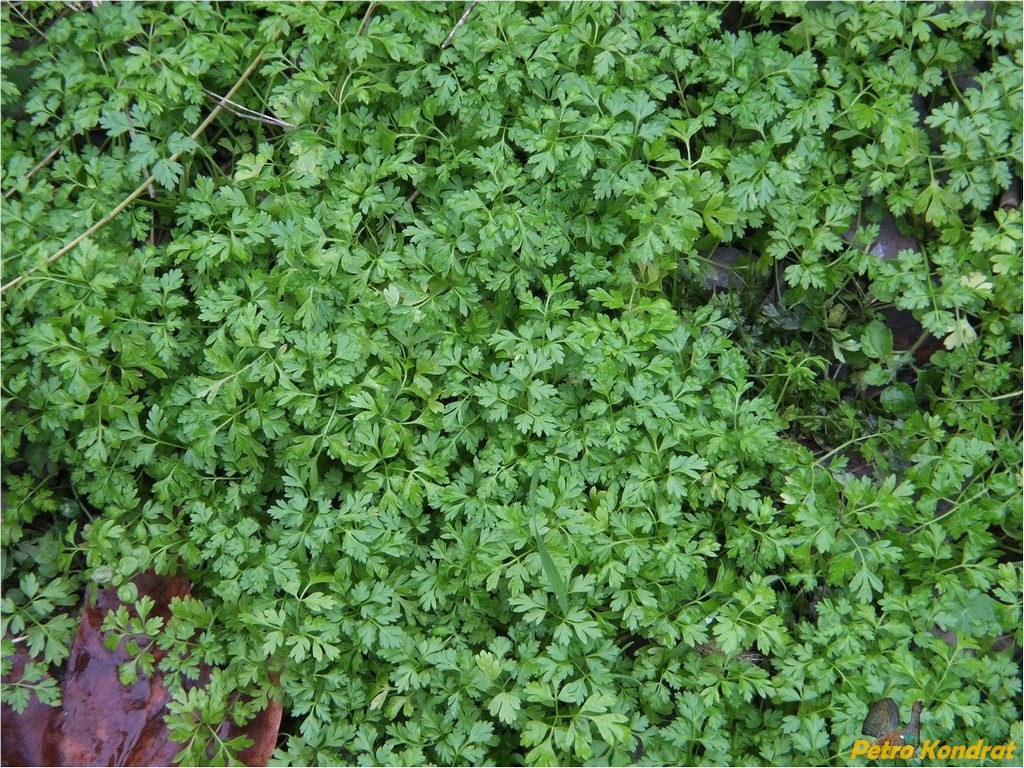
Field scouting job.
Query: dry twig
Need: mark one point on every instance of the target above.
(244, 112)
(458, 24)
(366, 18)
(409, 201)
(42, 164)
(141, 188)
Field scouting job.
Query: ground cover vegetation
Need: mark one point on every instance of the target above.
(530, 390)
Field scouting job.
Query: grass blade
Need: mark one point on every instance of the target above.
(554, 577)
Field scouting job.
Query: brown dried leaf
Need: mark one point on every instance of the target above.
(263, 730)
(23, 733)
(1012, 196)
(105, 723)
(890, 241)
(102, 721)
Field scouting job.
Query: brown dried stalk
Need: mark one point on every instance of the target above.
(141, 188)
(42, 164)
(366, 18)
(458, 24)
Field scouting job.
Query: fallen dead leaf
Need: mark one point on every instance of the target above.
(101, 721)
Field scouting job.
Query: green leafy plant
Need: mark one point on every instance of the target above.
(136, 633)
(400, 331)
